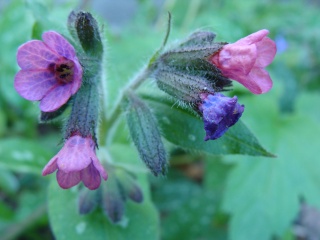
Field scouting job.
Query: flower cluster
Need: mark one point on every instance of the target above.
(197, 71)
(51, 73)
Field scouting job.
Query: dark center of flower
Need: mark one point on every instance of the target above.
(64, 71)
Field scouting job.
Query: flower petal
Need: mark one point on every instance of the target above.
(266, 49)
(99, 167)
(55, 98)
(50, 167)
(90, 177)
(68, 180)
(219, 113)
(253, 38)
(34, 84)
(75, 154)
(35, 55)
(237, 61)
(59, 44)
(77, 76)
(258, 81)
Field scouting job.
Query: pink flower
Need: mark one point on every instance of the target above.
(77, 162)
(50, 71)
(245, 60)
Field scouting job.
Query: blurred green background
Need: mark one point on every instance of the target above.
(203, 197)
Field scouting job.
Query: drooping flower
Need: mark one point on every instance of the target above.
(50, 71)
(245, 60)
(219, 113)
(76, 162)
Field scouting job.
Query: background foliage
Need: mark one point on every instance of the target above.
(204, 196)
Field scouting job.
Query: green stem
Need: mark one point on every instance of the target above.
(136, 81)
(107, 124)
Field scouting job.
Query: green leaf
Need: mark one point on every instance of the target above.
(183, 128)
(67, 223)
(263, 194)
(189, 208)
(8, 181)
(23, 155)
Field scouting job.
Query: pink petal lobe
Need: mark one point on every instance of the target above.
(34, 84)
(237, 60)
(75, 155)
(56, 97)
(99, 167)
(90, 177)
(35, 55)
(258, 81)
(253, 38)
(68, 180)
(77, 76)
(266, 52)
(50, 167)
(59, 44)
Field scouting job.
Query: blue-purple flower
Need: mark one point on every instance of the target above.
(219, 113)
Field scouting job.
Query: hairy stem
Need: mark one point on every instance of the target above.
(109, 122)
(106, 124)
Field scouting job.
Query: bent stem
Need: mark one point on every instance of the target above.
(110, 122)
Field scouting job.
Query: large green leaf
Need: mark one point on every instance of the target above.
(23, 155)
(67, 223)
(263, 195)
(183, 128)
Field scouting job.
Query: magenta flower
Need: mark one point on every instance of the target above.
(77, 162)
(50, 71)
(219, 113)
(245, 60)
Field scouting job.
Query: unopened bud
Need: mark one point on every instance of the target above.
(113, 201)
(185, 71)
(146, 135)
(88, 200)
(129, 186)
(85, 28)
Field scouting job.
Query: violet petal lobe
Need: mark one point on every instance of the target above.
(50, 167)
(77, 76)
(90, 177)
(74, 155)
(219, 113)
(68, 180)
(35, 55)
(34, 84)
(55, 98)
(99, 167)
(59, 44)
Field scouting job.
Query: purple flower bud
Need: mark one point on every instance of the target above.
(77, 162)
(219, 113)
(50, 71)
